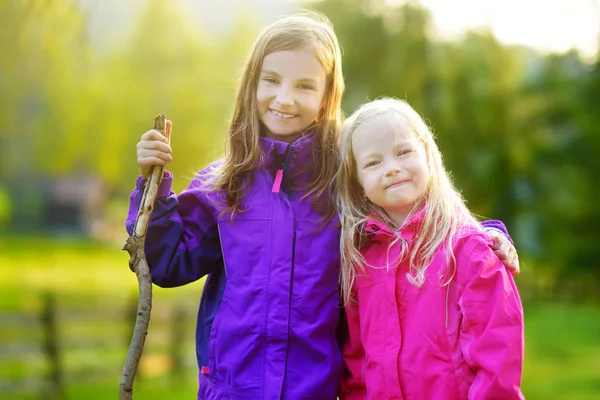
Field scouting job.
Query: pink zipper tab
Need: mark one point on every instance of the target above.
(277, 182)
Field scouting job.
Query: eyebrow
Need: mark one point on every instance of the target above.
(397, 146)
(370, 156)
(269, 72)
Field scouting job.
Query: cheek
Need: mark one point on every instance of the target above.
(360, 178)
(425, 178)
(316, 102)
(263, 94)
(260, 94)
(369, 182)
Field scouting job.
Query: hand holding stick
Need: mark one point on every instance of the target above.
(138, 264)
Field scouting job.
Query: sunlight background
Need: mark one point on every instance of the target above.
(549, 26)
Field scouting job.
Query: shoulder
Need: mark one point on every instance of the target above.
(203, 177)
(473, 250)
(201, 186)
(469, 239)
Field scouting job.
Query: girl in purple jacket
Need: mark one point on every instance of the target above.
(432, 313)
(261, 224)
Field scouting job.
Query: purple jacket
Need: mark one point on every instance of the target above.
(270, 307)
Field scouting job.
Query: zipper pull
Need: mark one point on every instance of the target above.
(277, 181)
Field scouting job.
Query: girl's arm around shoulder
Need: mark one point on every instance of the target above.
(182, 242)
(491, 332)
(504, 246)
(498, 226)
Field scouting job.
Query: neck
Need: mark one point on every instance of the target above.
(398, 218)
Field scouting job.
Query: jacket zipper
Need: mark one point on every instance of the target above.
(293, 263)
(278, 180)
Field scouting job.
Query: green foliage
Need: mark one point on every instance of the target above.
(5, 207)
(519, 130)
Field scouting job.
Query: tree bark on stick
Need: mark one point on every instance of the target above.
(138, 264)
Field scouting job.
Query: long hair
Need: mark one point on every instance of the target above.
(243, 153)
(445, 211)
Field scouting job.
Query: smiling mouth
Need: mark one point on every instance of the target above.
(395, 184)
(282, 115)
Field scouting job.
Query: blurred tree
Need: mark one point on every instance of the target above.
(519, 130)
(475, 118)
(38, 80)
(568, 164)
(167, 66)
(39, 76)
(364, 43)
(5, 207)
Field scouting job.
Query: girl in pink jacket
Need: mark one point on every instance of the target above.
(432, 312)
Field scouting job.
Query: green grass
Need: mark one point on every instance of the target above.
(162, 388)
(72, 267)
(562, 340)
(562, 357)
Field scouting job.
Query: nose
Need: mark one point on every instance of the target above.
(284, 96)
(392, 169)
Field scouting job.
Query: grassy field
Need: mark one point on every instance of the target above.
(562, 347)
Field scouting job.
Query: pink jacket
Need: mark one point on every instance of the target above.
(462, 341)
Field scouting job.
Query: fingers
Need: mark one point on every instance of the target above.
(505, 251)
(512, 262)
(153, 149)
(509, 257)
(515, 267)
(497, 238)
(153, 146)
(155, 135)
(153, 157)
(168, 128)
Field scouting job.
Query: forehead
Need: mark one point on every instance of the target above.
(298, 63)
(382, 133)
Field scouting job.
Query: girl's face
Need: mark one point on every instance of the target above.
(290, 91)
(391, 167)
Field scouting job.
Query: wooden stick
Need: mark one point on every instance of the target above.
(138, 264)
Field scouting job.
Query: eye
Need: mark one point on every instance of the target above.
(403, 152)
(305, 86)
(268, 79)
(371, 164)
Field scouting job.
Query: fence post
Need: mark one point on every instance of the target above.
(177, 340)
(52, 347)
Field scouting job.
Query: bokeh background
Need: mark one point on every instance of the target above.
(511, 88)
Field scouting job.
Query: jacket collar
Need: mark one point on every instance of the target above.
(301, 147)
(376, 227)
(299, 154)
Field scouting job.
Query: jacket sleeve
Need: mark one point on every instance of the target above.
(491, 333)
(353, 384)
(182, 242)
(496, 225)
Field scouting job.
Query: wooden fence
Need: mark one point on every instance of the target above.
(52, 340)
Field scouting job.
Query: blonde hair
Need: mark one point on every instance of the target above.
(243, 153)
(444, 215)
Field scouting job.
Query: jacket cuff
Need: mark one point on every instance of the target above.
(493, 224)
(165, 184)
